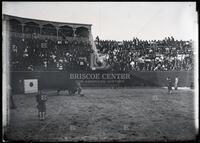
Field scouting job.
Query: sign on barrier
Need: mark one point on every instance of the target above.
(30, 86)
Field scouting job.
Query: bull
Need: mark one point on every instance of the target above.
(73, 87)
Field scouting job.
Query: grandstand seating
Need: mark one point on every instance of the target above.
(47, 46)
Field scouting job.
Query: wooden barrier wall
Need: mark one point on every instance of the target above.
(53, 80)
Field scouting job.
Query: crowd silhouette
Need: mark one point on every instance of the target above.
(142, 55)
(34, 54)
(43, 55)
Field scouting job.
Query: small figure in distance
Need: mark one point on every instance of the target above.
(41, 99)
(79, 89)
(76, 88)
(176, 83)
(169, 85)
(12, 103)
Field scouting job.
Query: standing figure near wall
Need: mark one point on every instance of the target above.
(176, 83)
(169, 85)
(12, 103)
(41, 99)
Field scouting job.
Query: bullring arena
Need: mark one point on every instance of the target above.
(123, 114)
(124, 94)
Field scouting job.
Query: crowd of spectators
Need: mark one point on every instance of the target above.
(155, 55)
(34, 54)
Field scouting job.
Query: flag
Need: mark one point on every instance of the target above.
(30, 85)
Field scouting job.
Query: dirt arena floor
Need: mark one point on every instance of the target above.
(139, 114)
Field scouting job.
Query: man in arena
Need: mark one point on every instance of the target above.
(169, 85)
(76, 88)
(41, 99)
(12, 103)
(79, 89)
(176, 83)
